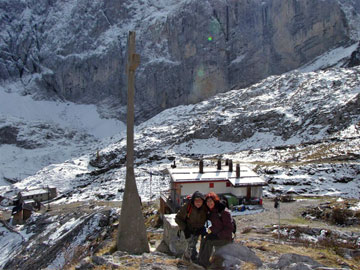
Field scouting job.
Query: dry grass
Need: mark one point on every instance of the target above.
(325, 256)
(321, 151)
(248, 266)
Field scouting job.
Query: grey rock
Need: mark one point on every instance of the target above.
(233, 254)
(163, 247)
(98, 260)
(290, 261)
(175, 245)
(8, 135)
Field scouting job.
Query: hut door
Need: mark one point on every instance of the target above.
(248, 193)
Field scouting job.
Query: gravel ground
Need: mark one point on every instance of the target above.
(290, 214)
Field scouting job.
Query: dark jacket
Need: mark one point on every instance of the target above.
(191, 218)
(221, 222)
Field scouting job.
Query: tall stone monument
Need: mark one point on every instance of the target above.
(132, 236)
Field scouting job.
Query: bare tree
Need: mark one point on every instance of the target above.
(132, 236)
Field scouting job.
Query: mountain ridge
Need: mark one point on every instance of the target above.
(77, 51)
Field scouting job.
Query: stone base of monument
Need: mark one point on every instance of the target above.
(172, 243)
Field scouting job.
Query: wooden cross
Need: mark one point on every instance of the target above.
(133, 58)
(132, 235)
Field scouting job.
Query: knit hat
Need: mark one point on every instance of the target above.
(197, 194)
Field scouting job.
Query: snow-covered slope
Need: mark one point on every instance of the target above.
(34, 134)
(337, 57)
(301, 119)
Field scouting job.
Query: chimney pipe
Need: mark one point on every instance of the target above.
(237, 170)
(230, 166)
(219, 164)
(201, 166)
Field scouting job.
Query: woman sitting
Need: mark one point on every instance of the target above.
(191, 220)
(220, 231)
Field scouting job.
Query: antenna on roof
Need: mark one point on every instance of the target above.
(230, 165)
(201, 166)
(237, 170)
(219, 164)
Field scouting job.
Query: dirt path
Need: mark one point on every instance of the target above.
(86, 207)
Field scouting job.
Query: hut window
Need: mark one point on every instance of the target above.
(211, 185)
(228, 184)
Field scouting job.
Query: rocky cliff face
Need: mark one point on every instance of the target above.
(190, 50)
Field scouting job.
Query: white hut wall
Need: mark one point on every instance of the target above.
(256, 191)
(238, 191)
(218, 187)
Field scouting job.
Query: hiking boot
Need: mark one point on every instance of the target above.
(202, 265)
(194, 255)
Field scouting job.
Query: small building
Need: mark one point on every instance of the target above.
(39, 194)
(21, 213)
(241, 186)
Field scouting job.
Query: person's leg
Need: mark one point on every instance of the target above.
(220, 243)
(192, 247)
(187, 253)
(207, 249)
(205, 252)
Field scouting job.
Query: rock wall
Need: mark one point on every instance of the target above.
(190, 50)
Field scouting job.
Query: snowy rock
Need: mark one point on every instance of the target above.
(354, 58)
(298, 266)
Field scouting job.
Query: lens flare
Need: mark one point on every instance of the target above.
(200, 72)
(210, 38)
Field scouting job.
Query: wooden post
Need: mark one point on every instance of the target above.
(132, 235)
(279, 223)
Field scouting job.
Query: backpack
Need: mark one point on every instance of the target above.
(225, 204)
(189, 207)
(188, 210)
(233, 223)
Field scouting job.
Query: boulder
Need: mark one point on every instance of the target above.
(233, 254)
(291, 261)
(176, 244)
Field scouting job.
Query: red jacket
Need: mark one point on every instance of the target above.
(221, 222)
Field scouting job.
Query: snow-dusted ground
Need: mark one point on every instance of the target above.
(11, 243)
(335, 57)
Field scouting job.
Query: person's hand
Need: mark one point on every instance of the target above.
(201, 231)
